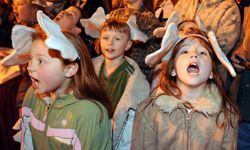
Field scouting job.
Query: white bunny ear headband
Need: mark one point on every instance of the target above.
(22, 40)
(92, 26)
(171, 38)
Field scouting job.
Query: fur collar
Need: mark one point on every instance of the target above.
(209, 104)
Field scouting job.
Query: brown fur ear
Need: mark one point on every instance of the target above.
(70, 70)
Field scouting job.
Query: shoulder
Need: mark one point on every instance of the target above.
(88, 108)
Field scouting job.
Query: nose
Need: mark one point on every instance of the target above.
(30, 67)
(193, 53)
(110, 41)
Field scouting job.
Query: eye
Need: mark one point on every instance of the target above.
(184, 52)
(104, 37)
(203, 53)
(117, 38)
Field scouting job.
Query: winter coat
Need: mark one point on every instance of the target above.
(220, 16)
(137, 90)
(165, 124)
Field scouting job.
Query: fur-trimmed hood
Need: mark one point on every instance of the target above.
(209, 104)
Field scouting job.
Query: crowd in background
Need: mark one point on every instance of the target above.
(228, 19)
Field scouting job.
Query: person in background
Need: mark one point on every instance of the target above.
(146, 22)
(125, 84)
(240, 87)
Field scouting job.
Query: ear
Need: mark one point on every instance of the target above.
(129, 44)
(76, 30)
(173, 73)
(211, 76)
(71, 70)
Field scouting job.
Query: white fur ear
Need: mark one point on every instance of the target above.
(169, 39)
(92, 24)
(136, 34)
(211, 76)
(173, 73)
(220, 55)
(71, 70)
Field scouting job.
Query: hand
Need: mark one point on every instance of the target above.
(237, 64)
(81, 3)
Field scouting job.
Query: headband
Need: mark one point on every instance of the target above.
(92, 25)
(172, 37)
(22, 37)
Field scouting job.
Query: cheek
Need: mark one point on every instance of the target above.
(48, 75)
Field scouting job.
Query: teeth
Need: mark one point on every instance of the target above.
(193, 64)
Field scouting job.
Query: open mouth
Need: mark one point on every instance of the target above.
(35, 82)
(193, 68)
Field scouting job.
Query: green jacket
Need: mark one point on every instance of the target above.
(68, 123)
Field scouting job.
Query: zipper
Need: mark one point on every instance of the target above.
(188, 126)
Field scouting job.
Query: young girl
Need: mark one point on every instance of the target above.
(189, 110)
(65, 108)
(125, 83)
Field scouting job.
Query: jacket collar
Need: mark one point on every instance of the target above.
(209, 104)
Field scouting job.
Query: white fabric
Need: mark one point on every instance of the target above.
(56, 39)
(21, 37)
(92, 26)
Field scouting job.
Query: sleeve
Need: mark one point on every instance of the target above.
(230, 138)
(144, 135)
(91, 133)
(229, 29)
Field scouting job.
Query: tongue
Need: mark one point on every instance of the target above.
(193, 69)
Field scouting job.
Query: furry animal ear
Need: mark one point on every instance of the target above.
(92, 24)
(55, 38)
(168, 41)
(21, 37)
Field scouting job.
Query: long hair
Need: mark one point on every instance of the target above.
(85, 83)
(168, 83)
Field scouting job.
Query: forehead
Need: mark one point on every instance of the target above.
(112, 32)
(38, 46)
(15, 2)
(76, 12)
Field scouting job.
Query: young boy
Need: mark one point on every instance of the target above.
(125, 83)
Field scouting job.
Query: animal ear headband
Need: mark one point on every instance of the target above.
(172, 37)
(92, 25)
(22, 40)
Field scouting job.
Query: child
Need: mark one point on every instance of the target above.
(125, 83)
(65, 108)
(189, 110)
(68, 19)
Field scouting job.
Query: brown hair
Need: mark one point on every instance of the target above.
(85, 83)
(116, 25)
(168, 83)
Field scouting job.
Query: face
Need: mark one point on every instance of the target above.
(114, 44)
(193, 64)
(24, 13)
(67, 19)
(46, 73)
